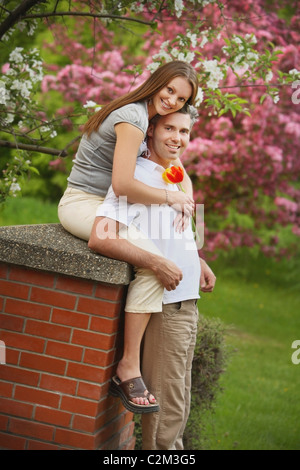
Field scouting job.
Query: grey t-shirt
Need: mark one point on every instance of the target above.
(92, 166)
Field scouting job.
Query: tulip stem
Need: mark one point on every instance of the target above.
(193, 221)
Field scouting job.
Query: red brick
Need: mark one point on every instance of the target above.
(3, 422)
(65, 351)
(74, 439)
(129, 445)
(89, 391)
(4, 270)
(36, 445)
(18, 375)
(22, 341)
(42, 363)
(109, 292)
(15, 408)
(51, 297)
(1, 303)
(46, 330)
(67, 317)
(12, 356)
(79, 406)
(89, 373)
(14, 289)
(51, 416)
(58, 384)
(10, 442)
(104, 325)
(94, 340)
(30, 428)
(83, 423)
(110, 430)
(126, 433)
(9, 322)
(98, 307)
(40, 397)
(6, 389)
(27, 309)
(31, 276)
(99, 358)
(75, 285)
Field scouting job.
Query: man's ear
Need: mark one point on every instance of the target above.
(150, 130)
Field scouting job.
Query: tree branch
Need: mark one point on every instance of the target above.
(78, 13)
(16, 14)
(33, 148)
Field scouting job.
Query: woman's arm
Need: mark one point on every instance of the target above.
(129, 139)
(186, 182)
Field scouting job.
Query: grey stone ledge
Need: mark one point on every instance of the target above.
(48, 247)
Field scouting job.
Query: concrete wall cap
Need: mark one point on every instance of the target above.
(48, 247)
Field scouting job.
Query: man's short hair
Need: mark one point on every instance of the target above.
(186, 109)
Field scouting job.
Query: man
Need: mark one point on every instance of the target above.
(171, 334)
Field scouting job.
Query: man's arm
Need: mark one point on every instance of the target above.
(105, 240)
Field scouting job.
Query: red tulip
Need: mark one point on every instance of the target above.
(173, 175)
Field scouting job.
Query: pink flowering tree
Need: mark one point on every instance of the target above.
(243, 152)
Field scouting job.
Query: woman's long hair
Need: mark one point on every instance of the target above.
(158, 80)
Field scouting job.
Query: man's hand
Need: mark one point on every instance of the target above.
(208, 279)
(167, 273)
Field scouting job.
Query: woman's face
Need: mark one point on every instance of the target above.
(172, 97)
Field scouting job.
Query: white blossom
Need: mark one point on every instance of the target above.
(90, 104)
(251, 38)
(15, 187)
(23, 86)
(153, 66)
(178, 7)
(192, 37)
(4, 93)
(16, 56)
(210, 65)
(269, 76)
(203, 42)
(294, 72)
(45, 129)
(199, 97)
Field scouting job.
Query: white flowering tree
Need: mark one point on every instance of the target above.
(26, 127)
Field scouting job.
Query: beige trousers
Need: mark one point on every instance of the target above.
(77, 212)
(168, 352)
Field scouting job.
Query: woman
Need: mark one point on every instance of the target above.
(107, 155)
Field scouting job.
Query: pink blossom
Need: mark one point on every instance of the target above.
(286, 203)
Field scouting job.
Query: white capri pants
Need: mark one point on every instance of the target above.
(77, 211)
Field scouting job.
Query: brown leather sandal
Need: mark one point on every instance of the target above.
(132, 388)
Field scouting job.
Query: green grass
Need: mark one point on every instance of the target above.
(258, 299)
(28, 210)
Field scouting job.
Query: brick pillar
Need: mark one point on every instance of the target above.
(61, 323)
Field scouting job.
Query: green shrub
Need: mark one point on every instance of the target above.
(210, 360)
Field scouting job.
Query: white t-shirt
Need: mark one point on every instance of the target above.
(156, 222)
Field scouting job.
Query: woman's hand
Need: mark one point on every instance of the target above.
(181, 202)
(181, 222)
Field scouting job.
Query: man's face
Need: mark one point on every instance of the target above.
(169, 138)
